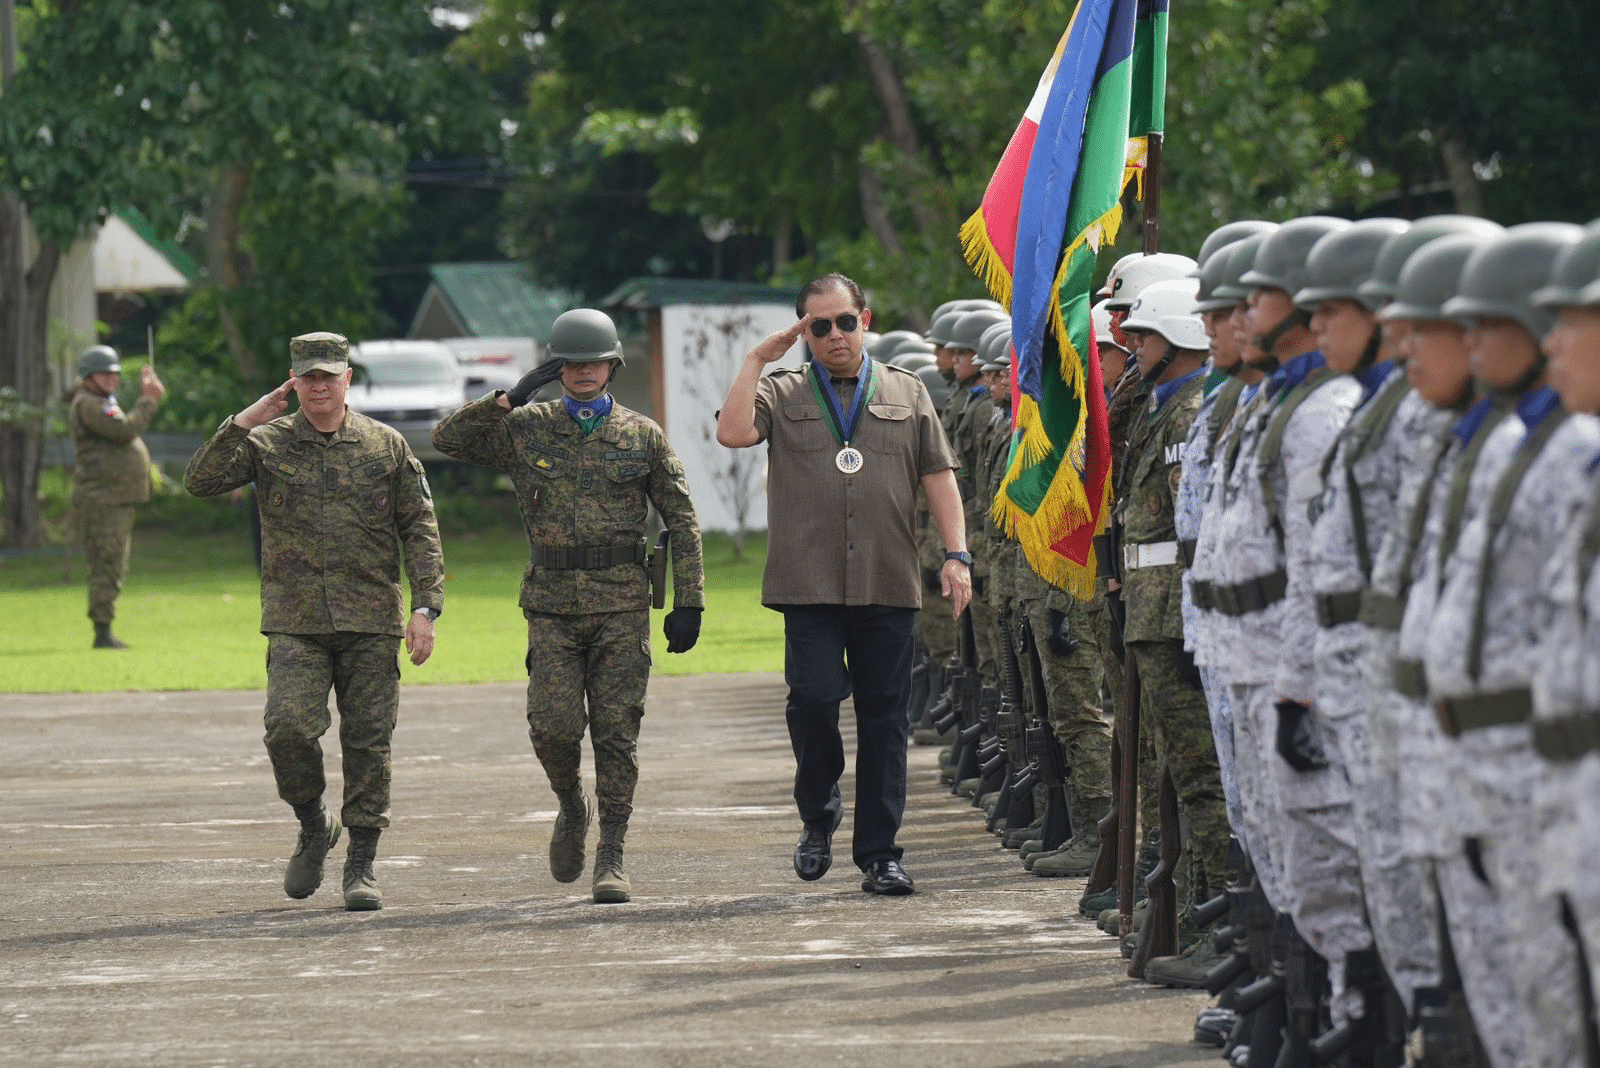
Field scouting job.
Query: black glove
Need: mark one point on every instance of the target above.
(534, 381)
(1188, 672)
(1059, 637)
(1295, 743)
(682, 628)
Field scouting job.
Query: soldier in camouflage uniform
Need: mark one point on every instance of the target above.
(339, 493)
(935, 628)
(110, 476)
(586, 471)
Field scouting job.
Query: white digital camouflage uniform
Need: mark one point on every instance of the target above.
(1496, 572)
(1566, 690)
(1188, 510)
(1354, 515)
(1273, 659)
(1429, 794)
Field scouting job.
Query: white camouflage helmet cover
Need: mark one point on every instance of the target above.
(1100, 319)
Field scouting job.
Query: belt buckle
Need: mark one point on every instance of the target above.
(1324, 610)
(591, 558)
(1445, 710)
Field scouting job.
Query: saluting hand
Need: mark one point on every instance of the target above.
(150, 385)
(773, 347)
(265, 410)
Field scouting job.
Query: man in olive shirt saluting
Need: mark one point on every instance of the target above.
(849, 441)
(111, 474)
(337, 491)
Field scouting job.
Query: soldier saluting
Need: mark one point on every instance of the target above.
(586, 471)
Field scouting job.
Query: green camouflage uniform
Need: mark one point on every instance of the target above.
(334, 509)
(1171, 699)
(935, 626)
(110, 476)
(588, 628)
(971, 435)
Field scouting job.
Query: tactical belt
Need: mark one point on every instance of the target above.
(1410, 679)
(1334, 609)
(1459, 715)
(1567, 737)
(1204, 598)
(1243, 598)
(588, 557)
(1154, 554)
(1382, 611)
(1186, 550)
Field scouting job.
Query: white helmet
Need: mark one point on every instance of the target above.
(1117, 268)
(1158, 267)
(1100, 316)
(1168, 308)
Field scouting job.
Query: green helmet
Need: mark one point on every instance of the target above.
(1500, 278)
(1342, 259)
(585, 335)
(938, 388)
(969, 329)
(893, 341)
(1386, 271)
(1240, 257)
(98, 359)
(1431, 276)
(1573, 275)
(1281, 258)
(1227, 234)
(939, 329)
(994, 342)
(978, 304)
(945, 308)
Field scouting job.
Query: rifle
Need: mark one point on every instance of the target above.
(961, 704)
(1043, 749)
(1159, 937)
(1014, 808)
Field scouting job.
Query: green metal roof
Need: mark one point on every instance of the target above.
(659, 292)
(181, 261)
(497, 300)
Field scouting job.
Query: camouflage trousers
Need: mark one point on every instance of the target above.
(1072, 694)
(986, 628)
(363, 671)
(936, 627)
(1173, 710)
(106, 531)
(591, 672)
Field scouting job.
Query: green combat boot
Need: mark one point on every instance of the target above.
(318, 832)
(567, 841)
(611, 886)
(1188, 970)
(361, 893)
(1075, 861)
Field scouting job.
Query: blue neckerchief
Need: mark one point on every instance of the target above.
(1295, 372)
(588, 414)
(1468, 426)
(1538, 406)
(1164, 390)
(1373, 378)
(975, 390)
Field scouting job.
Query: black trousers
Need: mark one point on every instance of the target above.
(832, 652)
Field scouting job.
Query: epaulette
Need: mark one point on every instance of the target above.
(900, 370)
(776, 371)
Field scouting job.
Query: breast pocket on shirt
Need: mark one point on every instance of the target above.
(805, 429)
(884, 428)
(284, 486)
(372, 480)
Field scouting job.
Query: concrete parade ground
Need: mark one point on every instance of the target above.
(144, 923)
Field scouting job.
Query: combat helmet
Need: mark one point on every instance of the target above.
(937, 386)
(1573, 274)
(1385, 277)
(1227, 234)
(1431, 276)
(1342, 260)
(1240, 257)
(1156, 267)
(1100, 319)
(1500, 277)
(1168, 308)
(98, 359)
(1281, 257)
(584, 335)
(939, 327)
(969, 329)
(996, 341)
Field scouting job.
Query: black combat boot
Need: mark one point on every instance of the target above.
(104, 639)
(361, 893)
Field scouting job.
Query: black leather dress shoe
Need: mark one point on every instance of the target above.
(886, 877)
(814, 855)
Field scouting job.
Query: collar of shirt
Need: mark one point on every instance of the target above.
(1295, 372)
(1468, 426)
(306, 432)
(1214, 379)
(1373, 378)
(1538, 406)
(1164, 390)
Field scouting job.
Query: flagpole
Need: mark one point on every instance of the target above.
(1152, 194)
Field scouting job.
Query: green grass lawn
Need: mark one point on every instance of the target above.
(191, 609)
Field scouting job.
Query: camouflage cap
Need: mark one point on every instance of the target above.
(320, 351)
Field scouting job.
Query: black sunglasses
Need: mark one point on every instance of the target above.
(823, 327)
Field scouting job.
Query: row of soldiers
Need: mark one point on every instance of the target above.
(1345, 620)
